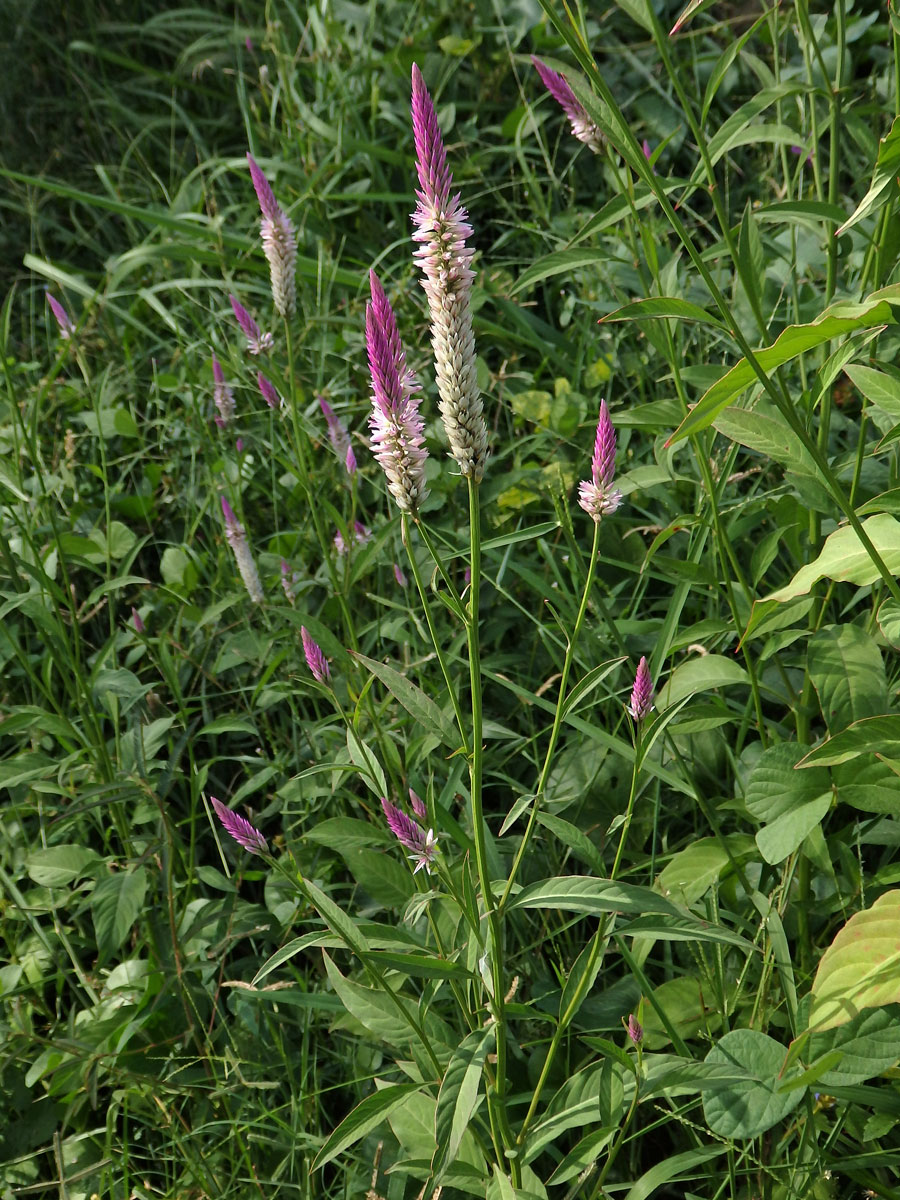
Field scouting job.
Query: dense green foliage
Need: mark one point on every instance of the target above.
(686, 870)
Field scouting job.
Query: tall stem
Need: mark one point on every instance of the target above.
(557, 718)
(476, 774)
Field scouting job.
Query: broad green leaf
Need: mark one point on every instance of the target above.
(789, 802)
(700, 674)
(116, 904)
(686, 1005)
(843, 557)
(678, 1166)
(754, 1105)
(584, 894)
(658, 307)
(58, 865)
(345, 833)
(869, 1043)
(177, 568)
(847, 671)
(861, 967)
(866, 783)
(371, 1008)
(367, 1115)
(889, 621)
(389, 882)
(765, 430)
(412, 1122)
(874, 735)
(839, 319)
(887, 167)
(459, 1095)
(781, 837)
(696, 868)
(419, 706)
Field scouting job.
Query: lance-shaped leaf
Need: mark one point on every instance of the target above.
(459, 1095)
(887, 167)
(839, 319)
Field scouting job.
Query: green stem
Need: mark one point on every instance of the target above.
(557, 718)
(476, 773)
(432, 630)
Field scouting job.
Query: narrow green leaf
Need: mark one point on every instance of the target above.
(558, 263)
(887, 167)
(459, 1095)
(419, 706)
(679, 1166)
(839, 319)
(367, 1115)
(658, 307)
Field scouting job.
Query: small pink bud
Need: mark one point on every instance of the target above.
(315, 659)
(137, 621)
(642, 693)
(240, 828)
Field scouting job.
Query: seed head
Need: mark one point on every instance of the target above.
(243, 556)
(223, 396)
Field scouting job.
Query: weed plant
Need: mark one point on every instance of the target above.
(450, 739)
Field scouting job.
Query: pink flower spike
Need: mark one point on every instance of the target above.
(397, 428)
(63, 320)
(288, 580)
(583, 128)
(418, 805)
(441, 227)
(635, 1032)
(137, 621)
(269, 394)
(239, 827)
(350, 461)
(279, 243)
(268, 205)
(597, 496)
(256, 341)
(315, 659)
(642, 693)
(402, 581)
(410, 835)
(223, 396)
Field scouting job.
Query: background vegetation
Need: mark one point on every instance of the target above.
(140, 1056)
